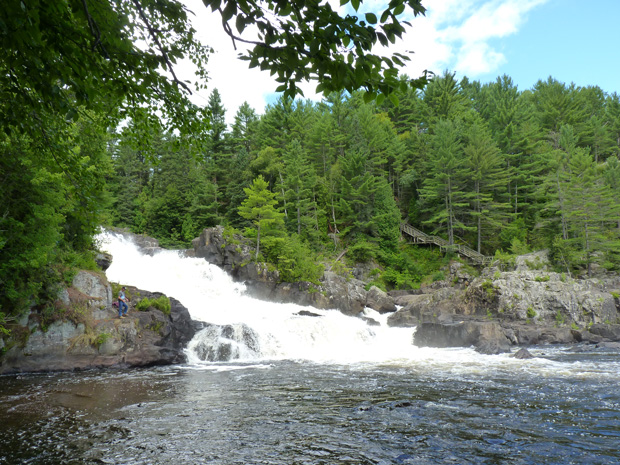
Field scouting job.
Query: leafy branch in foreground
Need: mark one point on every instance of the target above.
(303, 40)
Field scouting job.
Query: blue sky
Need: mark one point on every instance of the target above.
(572, 40)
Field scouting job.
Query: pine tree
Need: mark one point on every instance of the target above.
(589, 206)
(299, 178)
(444, 99)
(260, 207)
(244, 128)
(488, 179)
(443, 186)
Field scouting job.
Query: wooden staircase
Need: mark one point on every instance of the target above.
(418, 237)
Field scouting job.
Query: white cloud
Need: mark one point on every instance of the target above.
(455, 34)
(459, 34)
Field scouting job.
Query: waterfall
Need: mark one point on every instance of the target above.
(240, 327)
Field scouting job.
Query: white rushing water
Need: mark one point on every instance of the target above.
(211, 296)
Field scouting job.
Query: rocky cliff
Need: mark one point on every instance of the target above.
(84, 331)
(333, 292)
(526, 304)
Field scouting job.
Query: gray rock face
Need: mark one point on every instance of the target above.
(103, 260)
(94, 288)
(540, 296)
(232, 255)
(379, 301)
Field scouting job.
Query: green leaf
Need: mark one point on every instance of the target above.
(229, 11)
(382, 39)
(371, 18)
(240, 23)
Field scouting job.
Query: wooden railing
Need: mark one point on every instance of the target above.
(420, 237)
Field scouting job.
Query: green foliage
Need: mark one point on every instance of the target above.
(507, 261)
(293, 258)
(362, 251)
(531, 313)
(260, 207)
(541, 279)
(101, 339)
(559, 318)
(160, 303)
(314, 51)
(489, 288)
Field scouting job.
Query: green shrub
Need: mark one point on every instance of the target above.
(101, 339)
(541, 279)
(362, 251)
(489, 288)
(161, 303)
(531, 313)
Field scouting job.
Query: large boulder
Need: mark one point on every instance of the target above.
(486, 336)
(345, 294)
(379, 300)
(529, 334)
(430, 305)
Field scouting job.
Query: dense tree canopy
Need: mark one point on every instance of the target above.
(72, 70)
(484, 165)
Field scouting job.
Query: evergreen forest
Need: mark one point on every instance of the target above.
(501, 170)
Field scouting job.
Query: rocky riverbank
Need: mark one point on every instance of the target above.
(84, 332)
(517, 305)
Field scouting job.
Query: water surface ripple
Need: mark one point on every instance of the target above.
(287, 412)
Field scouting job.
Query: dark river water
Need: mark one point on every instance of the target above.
(561, 408)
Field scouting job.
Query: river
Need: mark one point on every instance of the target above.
(327, 389)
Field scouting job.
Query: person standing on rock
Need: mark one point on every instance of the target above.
(122, 303)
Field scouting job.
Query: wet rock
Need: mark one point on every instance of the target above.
(608, 345)
(524, 334)
(223, 343)
(402, 319)
(523, 354)
(103, 260)
(486, 336)
(370, 321)
(611, 332)
(307, 313)
(379, 300)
